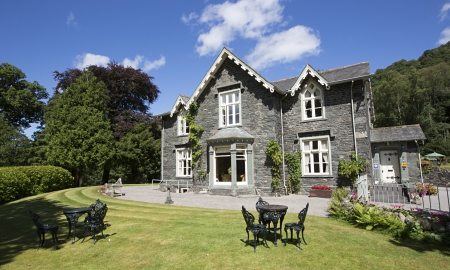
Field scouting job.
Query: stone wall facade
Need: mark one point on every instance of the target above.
(261, 118)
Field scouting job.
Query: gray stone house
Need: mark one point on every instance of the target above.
(326, 115)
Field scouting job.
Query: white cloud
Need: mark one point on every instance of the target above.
(255, 20)
(88, 59)
(146, 65)
(245, 18)
(133, 63)
(187, 19)
(283, 47)
(444, 11)
(445, 36)
(71, 20)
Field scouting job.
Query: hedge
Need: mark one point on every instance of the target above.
(24, 181)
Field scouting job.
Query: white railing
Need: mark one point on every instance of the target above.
(398, 195)
(182, 185)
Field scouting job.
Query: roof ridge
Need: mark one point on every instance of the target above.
(338, 68)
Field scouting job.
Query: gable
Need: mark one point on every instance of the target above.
(326, 78)
(212, 72)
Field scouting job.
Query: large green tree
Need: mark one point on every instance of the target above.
(20, 101)
(130, 91)
(77, 128)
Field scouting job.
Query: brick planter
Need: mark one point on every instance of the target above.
(321, 193)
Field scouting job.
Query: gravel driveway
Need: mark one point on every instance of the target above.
(317, 206)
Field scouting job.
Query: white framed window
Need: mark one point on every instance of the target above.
(224, 168)
(184, 162)
(316, 156)
(230, 108)
(183, 127)
(312, 101)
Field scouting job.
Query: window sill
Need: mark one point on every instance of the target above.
(317, 175)
(233, 126)
(313, 120)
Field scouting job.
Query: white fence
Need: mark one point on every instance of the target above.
(398, 195)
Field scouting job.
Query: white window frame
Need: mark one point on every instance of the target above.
(229, 107)
(241, 154)
(310, 88)
(183, 128)
(183, 162)
(322, 154)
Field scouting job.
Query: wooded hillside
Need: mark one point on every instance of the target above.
(417, 92)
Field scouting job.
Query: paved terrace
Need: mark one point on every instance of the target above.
(317, 206)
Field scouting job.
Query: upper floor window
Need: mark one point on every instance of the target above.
(183, 128)
(316, 156)
(184, 162)
(230, 108)
(312, 102)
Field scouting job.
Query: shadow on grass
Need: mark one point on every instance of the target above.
(18, 232)
(422, 247)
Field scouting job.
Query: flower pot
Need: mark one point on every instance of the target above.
(321, 193)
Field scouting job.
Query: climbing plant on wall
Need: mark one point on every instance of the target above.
(274, 152)
(194, 134)
(293, 162)
(351, 169)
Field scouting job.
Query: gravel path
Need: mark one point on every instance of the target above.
(317, 206)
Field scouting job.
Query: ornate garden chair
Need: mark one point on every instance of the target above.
(297, 226)
(95, 219)
(261, 219)
(255, 228)
(43, 228)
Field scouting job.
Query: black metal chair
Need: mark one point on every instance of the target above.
(43, 228)
(261, 218)
(254, 228)
(297, 226)
(95, 219)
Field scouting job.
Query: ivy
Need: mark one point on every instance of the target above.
(274, 152)
(351, 169)
(293, 162)
(194, 133)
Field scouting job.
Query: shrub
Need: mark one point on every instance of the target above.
(21, 182)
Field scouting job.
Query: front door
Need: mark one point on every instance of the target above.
(389, 166)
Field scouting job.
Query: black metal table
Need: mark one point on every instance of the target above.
(72, 216)
(274, 213)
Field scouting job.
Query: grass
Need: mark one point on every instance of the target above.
(152, 236)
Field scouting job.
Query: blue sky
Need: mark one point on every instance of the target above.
(176, 41)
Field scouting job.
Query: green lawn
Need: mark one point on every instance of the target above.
(152, 236)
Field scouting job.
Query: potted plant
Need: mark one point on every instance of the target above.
(320, 191)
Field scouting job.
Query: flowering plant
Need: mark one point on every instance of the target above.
(426, 189)
(321, 187)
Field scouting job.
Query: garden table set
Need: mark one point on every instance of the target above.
(96, 212)
(273, 214)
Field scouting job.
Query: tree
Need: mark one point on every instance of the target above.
(20, 100)
(78, 131)
(130, 92)
(139, 153)
(14, 145)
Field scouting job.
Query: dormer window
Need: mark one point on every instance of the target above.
(312, 101)
(183, 127)
(230, 108)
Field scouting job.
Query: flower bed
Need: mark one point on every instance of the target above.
(320, 191)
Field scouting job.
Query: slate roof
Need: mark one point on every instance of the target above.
(399, 133)
(332, 76)
(231, 134)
